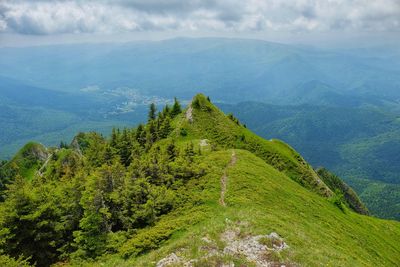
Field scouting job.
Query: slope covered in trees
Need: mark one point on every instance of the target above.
(144, 194)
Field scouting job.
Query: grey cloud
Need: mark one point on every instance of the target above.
(308, 12)
(159, 6)
(104, 16)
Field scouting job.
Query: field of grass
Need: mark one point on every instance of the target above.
(359, 144)
(261, 200)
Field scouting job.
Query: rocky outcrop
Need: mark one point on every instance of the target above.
(260, 250)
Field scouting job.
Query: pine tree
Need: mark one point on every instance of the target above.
(176, 108)
(124, 148)
(140, 135)
(172, 152)
(165, 128)
(152, 112)
(189, 152)
(63, 145)
(152, 130)
(108, 155)
(114, 138)
(166, 111)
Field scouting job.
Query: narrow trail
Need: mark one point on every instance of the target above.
(39, 172)
(224, 179)
(189, 113)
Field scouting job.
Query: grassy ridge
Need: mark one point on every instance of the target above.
(28, 159)
(210, 123)
(360, 144)
(317, 231)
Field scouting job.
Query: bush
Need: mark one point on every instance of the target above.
(183, 132)
(11, 262)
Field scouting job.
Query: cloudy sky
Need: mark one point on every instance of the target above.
(35, 22)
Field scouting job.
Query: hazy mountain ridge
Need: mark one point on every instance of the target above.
(32, 113)
(216, 65)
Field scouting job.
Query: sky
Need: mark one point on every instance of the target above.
(24, 23)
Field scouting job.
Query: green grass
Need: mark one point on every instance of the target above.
(311, 225)
(265, 200)
(210, 123)
(360, 144)
(26, 159)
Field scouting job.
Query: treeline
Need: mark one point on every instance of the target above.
(96, 193)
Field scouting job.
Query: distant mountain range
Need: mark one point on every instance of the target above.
(225, 69)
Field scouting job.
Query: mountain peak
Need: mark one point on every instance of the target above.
(203, 120)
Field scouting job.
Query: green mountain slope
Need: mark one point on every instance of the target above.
(361, 144)
(261, 200)
(189, 187)
(210, 123)
(25, 163)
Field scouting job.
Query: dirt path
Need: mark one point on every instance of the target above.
(44, 165)
(189, 113)
(39, 172)
(224, 179)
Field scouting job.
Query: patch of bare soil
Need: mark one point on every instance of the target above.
(224, 179)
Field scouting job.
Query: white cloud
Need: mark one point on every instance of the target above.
(57, 17)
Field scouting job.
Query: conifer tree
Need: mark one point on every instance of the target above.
(176, 108)
(189, 152)
(140, 135)
(108, 155)
(172, 152)
(166, 110)
(124, 148)
(114, 138)
(165, 127)
(152, 112)
(152, 130)
(63, 145)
